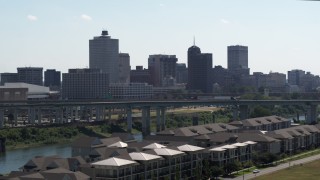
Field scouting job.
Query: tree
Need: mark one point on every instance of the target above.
(260, 111)
(216, 171)
(231, 167)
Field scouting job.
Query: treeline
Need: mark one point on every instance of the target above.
(43, 135)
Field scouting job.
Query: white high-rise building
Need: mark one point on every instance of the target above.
(104, 55)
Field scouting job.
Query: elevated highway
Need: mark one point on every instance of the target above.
(60, 111)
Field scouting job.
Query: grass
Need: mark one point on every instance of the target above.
(308, 171)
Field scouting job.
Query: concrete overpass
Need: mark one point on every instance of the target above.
(60, 111)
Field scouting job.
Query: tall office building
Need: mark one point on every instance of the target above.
(30, 75)
(237, 57)
(124, 68)
(162, 67)
(85, 84)
(8, 78)
(104, 55)
(52, 79)
(181, 73)
(199, 70)
(140, 75)
(295, 76)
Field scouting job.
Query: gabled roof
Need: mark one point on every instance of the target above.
(114, 162)
(140, 156)
(167, 152)
(119, 144)
(154, 146)
(217, 149)
(249, 142)
(189, 148)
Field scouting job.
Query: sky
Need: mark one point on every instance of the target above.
(281, 34)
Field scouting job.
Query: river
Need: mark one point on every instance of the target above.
(14, 159)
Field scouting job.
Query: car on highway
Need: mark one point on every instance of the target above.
(256, 171)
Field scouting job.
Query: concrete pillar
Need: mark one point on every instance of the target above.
(39, 115)
(60, 115)
(129, 119)
(91, 113)
(31, 115)
(97, 108)
(109, 115)
(244, 112)
(235, 112)
(76, 113)
(311, 114)
(15, 116)
(1, 118)
(158, 114)
(146, 121)
(163, 118)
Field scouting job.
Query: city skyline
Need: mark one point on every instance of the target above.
(53, 35)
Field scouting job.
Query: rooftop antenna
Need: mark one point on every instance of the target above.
(194, 40)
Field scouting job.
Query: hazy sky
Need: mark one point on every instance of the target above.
(281, 34)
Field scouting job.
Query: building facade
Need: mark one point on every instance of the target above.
(85, 84)
(237, 57)
(124, 68)
(8, 78)
(131, 91)
(104, 55)
(30, 75)
(52, 79)
(181, 73)
(199, 70)
(161, 67)
(140, 75)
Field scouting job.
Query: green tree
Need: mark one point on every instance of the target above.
(216, 171)
(231, 167)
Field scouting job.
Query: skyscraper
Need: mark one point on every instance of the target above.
(52, 79)
(124, 68)
(162, 67)
(8, 78)
(104, 55)
(30, 75)
(199, 70)
(85, 84)
(295, 76)
(237, 57)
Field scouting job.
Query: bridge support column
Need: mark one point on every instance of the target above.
(109, 115)
(76, 113)
(244, 112)
(146, 121)
(39, 115)
(158, 119)
(97, 108)
(59, 115)
(1, 118)
(15, 116)
(312, 114)
(129, 119)
(235, 112)
(163, 118)
(31, 115)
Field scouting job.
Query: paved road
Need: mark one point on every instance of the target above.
(277, 168)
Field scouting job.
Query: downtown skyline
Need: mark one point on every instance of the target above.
(280, 35)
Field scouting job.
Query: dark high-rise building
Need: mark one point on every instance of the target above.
(295, 76)
(52, 79)
(85, 84)
(181, 73)
(140, 75)
(161, 67)
(30, 75)
(8, 78)
(104, 55)
(237, 57)
(124, 68)
(199, 70)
